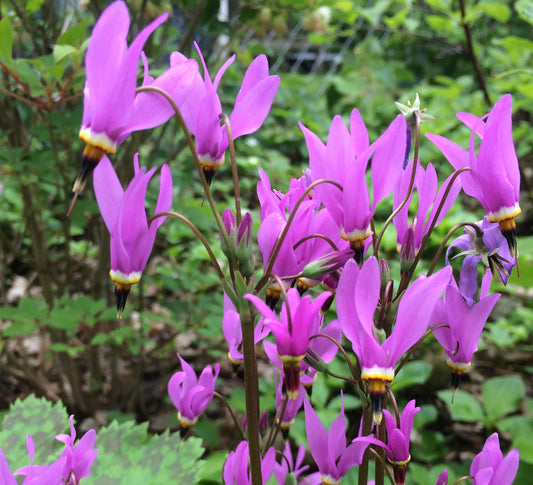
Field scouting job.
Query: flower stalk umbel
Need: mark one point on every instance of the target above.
(307, 235)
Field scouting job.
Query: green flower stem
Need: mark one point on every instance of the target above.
(251, 385)
(448, 236)
(366, 430)
(405, 281)
(285, 299)
(276, 425)
(356, 377)
(234, 171)
(198, 234)
(283, 234)
(381, 461)
(412, 350)
(238, 427)
(409, 190)
(463, 479)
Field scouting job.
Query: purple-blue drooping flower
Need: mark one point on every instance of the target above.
(124, 214)
(491, 249)
(190, 394)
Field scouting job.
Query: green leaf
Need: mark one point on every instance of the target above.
(214, 463)
(62, 51)
(525, 10)
(521, 430)
(38, 417)
(498, 11)
(464, 406)
(413, 373)
(129, 455)
(6, 41)
(502, 395)
(441, 24)
(63, 318)
(74, 36)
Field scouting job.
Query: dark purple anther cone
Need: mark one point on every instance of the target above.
(408, 137)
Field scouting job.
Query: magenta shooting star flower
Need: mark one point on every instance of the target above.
(190, 394)
(410, 236)
(292, 331)
(312, 246)
(489, 467)
(494, 176)
(289, 468)
(344, 159)
(6, 477)
(465, 322)
(357, 298)
(292, 406)
(112, 109)
(321, 350)
(398, 439)
(124, 214)
(328, 448)
(203, 109)
(237, 468)
(232, 330)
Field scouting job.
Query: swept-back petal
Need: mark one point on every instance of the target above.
(108, 192)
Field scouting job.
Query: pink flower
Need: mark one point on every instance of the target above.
(344, 159)
(237, 469)
(79, 458)
(292, 331)
(294, 468)
(132, 237)
(465, 322)
(398, 439)
(357, 298)
(429, 200)
(111, 108)
(203, 109)
(191, 395)
(332, 457)
(489, 467)
(494, 176)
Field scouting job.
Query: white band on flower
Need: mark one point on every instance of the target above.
(125, 279)
(505, 213)
(99, 140)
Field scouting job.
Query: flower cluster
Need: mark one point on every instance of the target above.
(318, 232)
